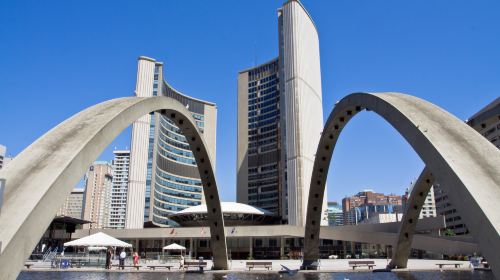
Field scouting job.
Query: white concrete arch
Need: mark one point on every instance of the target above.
(463, 161)
(416, 201)
(40, 178)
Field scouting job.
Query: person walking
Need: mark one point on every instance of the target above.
(136, 258)
(108, 258)
(123, 255)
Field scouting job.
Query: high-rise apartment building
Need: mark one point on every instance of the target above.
(97, 195)
(280, 119)
(487, 123)
(429, 207)
(164, 177)
(4, 159)
(365, 204)
(118, 205)
(73, 205)
(3, 151)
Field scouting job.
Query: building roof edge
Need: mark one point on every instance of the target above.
(305, 10)
(189, 97)
(260, 65)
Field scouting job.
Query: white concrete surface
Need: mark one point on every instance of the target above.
(462, 160)
(57, 160)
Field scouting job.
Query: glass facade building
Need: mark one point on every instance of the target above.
(264, 136)
(280, 119)
(173, 192)
(171, 178)
(335, 214)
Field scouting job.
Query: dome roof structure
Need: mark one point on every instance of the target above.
(227, 208)
(234, 214)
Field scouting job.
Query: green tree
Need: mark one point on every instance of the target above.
(449, 232)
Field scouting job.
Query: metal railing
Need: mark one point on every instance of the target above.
(50, 255)
(80, 260)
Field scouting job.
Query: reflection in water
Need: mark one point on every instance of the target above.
(448, 275)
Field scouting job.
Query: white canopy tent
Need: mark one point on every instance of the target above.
(174, 247)
(99, 239)
(96, 248)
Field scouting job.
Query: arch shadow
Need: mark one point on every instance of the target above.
(39, 179)
(461, 159)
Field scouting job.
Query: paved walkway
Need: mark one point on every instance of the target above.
(342, 264)
(326, 265)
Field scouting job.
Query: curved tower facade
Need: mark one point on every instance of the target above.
(280, 119)
(303, 105)
(164, 176)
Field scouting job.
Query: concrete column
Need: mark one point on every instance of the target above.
(250, 252)
(195, 249)
(389, 251)
(137, 245)
(162, 245)
(282, 247)
(190, 247)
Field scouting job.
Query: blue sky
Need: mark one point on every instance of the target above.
(59, 57)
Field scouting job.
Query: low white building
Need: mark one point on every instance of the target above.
(382, 218)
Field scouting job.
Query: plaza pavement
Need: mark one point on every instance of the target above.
(326, 265)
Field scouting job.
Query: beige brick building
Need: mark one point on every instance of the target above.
(97, 195)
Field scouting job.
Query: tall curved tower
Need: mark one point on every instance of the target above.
(280, 119)
(164, 177)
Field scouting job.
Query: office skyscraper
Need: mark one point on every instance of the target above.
(164, 177)
(96, 198)
(118, 205)
(280, 119)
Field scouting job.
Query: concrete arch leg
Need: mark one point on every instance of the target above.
(416, 201)
(40, 178)
(457, 155)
